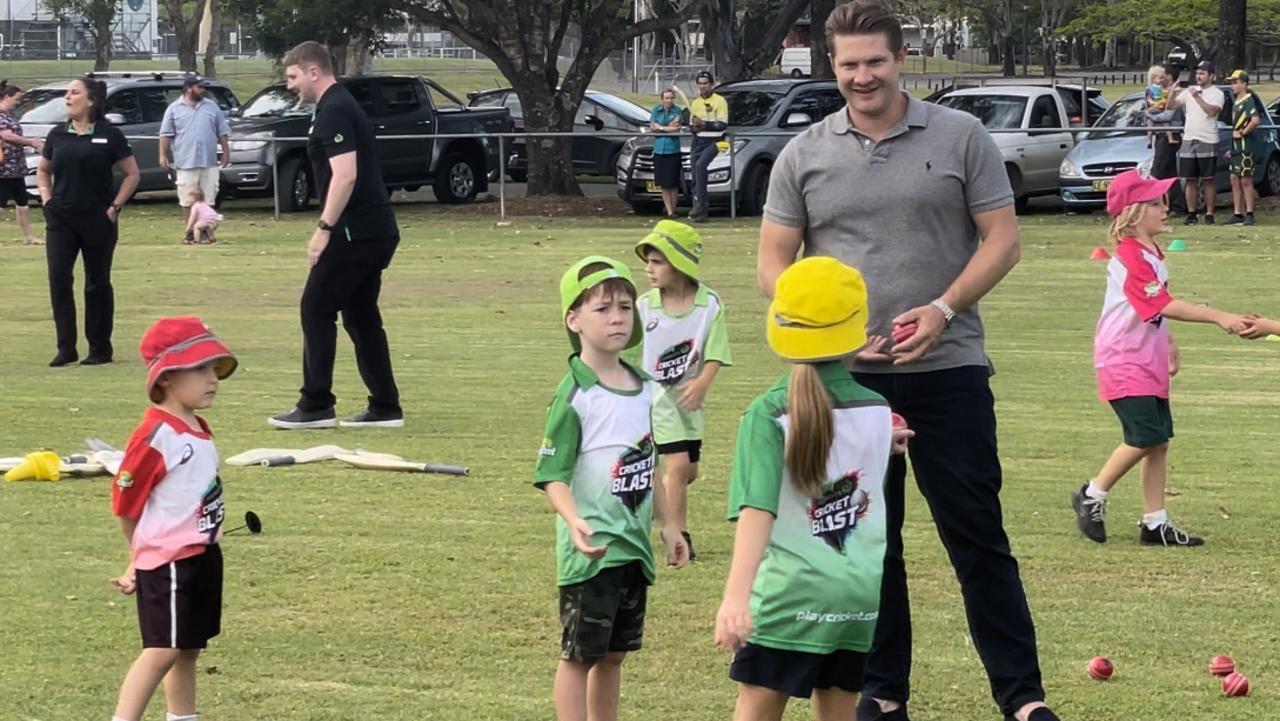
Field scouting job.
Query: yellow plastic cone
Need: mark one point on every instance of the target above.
(38, 466)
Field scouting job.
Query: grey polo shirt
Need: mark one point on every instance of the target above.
(195, 132)
(899, 210)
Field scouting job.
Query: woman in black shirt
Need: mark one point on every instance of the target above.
(81, 209)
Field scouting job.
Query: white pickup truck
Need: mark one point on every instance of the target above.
(1031, 159)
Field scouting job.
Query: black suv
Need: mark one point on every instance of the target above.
(456, 168)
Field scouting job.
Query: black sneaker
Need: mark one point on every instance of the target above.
(1041, 714)
(1236, 219)
(1191, 219)
(1167, 534)
(1208, 219)
(64, 359)
(298, 419)
(94, 359)
(869, 710)
(688, 541)
(1248, 219)
(369, 419)
(1091, 515)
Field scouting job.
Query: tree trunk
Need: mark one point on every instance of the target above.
(338, 56)
(102, 38)
(185, 31)
(819, 51)
(215, 39)
(1231, 30)
(1109, 57)
(1007, 67)
(550, 159)
(357, 54)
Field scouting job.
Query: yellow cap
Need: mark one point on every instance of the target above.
(819, 311)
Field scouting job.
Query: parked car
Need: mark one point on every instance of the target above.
(755, 107)
(1070, 94)
(135, 102)
(1087, 171)
(796, 62)
(1274, 108)
(456, 168)
(598, 113)
(1030, 159)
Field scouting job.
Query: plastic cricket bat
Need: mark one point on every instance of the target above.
(388, 462)
(272, 457)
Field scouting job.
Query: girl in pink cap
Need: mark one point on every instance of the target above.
(168, 498)
(1135, 357)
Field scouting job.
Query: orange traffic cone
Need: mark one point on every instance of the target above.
(38, 466)
(1100, 253)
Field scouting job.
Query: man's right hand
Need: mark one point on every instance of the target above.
(164, 163)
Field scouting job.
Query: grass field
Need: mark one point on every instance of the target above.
(395, 596)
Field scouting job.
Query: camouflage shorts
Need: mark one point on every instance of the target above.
(603, 614)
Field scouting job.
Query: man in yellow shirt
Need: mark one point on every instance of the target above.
(709, 117)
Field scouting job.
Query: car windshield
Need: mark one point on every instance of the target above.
(53, 110)
(997, 112)
(1124, 114)
(274, 102)
(35, 98)
(627, 109)
(749, 107)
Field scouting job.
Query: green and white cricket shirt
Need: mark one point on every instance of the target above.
(677, 347)
(598, 441)
(818, 587)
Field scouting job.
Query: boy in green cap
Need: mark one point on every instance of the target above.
(597, 466)
(685, 344)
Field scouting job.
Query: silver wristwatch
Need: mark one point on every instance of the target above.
(947, 313)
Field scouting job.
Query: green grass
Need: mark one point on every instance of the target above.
(394, 596)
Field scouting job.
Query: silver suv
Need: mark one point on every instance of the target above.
(135, 103)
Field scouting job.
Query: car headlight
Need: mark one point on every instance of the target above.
(1144, 168)
(1069, 169)
(739, 144)
(718, 176)
(246, 142)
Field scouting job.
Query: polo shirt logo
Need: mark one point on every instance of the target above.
(125, 479)
(338, 138)
(652, 324)
(834, 516)
(1152, 289)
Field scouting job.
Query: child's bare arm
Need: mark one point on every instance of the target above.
(733, 621)
(1192, 313)
(561, 499)
(1260, 328)
(126, 581)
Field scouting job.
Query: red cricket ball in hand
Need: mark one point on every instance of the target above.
(898, 421)
(1101, 668)
(903, 331)
(1235, 684)
(1222, 665)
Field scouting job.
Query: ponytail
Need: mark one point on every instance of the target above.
(97, 92)
(812, 429)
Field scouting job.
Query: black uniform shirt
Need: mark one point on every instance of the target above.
(83, 181)
(341, 126)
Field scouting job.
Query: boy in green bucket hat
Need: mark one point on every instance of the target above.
(685, 345)
(597, 465)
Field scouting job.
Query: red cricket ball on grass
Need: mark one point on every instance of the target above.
(1222, 665)
(1235, 684)
(1101, 668)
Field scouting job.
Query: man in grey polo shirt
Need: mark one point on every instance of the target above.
(193, 127)
(916, 197)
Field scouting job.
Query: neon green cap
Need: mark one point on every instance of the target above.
(680, 243)
(572, 287)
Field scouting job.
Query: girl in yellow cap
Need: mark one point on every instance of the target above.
(800, 606)
(685, 345)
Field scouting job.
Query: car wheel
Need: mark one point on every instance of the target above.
(755, 189)
(1271, 181)
(456, 180)
(796, 73)
(294, 193)
(518, 176)
(1020, 201)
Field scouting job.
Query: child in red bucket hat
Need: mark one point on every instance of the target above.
(168, 497)
(1134, 358)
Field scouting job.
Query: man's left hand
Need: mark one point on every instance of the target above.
(930, 324)
(315, 248)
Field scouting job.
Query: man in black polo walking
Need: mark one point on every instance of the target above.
(353, 242)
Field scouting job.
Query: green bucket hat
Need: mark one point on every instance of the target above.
(572, 288)
(680, 243)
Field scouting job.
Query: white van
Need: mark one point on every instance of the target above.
(795, 62)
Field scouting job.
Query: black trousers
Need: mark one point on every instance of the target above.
(347, 279)
(95, 240)
(957, 470)
(1164, 165)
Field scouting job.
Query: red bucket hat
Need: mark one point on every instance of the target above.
(1129, 187)
(182, 342)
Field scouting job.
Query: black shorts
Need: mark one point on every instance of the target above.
(14, 189)
(1241, 164)
(180, 603)
(666, 170)
(1146, 420)
(796, 673)
(1192, 168)
(604, 614)
(693, 448)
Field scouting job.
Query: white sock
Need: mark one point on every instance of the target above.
(117, 718)
(1153, 520)
(1092, 491)
(176, 717)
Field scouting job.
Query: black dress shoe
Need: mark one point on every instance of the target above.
(95, 360)
(63, 359)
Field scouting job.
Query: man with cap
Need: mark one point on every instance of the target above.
(1246, 116)
(193, 128)
(709, 117)
(1198, 156)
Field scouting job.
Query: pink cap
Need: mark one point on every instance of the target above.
(1129, 187)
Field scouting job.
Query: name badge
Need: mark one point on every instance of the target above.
(99, 141)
